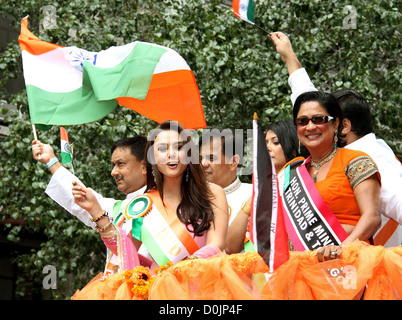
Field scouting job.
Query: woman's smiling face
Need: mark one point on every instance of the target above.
(316, 137)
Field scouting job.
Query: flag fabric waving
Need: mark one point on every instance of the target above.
(69, 85)
(244, 9)
(66, 152)
(267, 225)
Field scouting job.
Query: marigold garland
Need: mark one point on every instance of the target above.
(140, 278)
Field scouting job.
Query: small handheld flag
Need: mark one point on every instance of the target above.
(66, 149)
(244, 9)
(66, 156)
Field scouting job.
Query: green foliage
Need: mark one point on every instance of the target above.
(238, 73)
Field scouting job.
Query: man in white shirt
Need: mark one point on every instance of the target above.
(129, 171)
(359, 136)
(221, 153)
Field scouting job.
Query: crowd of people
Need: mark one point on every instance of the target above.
(188, 208)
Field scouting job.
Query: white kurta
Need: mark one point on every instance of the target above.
(237, 193)
(59, 189)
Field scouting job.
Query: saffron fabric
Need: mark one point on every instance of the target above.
(69, 85)
(362, 272)
(336, 189)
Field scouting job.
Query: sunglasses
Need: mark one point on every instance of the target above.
(303, 121)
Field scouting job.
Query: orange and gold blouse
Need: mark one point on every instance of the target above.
(348, 169)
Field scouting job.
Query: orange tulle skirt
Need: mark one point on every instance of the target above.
(362, 272)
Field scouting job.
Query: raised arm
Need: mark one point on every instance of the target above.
(299, 81)
(44, 153)
(284, 48)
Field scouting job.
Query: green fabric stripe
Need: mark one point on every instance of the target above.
(116, 208)
(67, 108)
(250, 11)
(136, 227)
(130, 78)
(152, 247)
(65, 157)
(248, 246)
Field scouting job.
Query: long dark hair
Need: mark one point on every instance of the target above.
(195, 208)
(286, 132)
(329, 103)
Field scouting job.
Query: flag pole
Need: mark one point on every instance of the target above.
(72, 158)
(268, 33)
(251, 22)
(35, 137)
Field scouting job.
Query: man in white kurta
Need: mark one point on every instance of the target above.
(389, 166)
(128, 171)
(220, 164)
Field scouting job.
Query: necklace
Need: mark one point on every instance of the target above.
(318, 165)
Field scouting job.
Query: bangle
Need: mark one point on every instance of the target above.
(104, 214)
(109, 234)
(101, 229)
(246, 208)
(192, 257)
(51, 162)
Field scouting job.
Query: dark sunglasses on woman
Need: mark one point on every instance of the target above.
(303, 121)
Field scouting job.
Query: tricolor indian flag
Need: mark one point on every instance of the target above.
(66, 152)
(69, 85)
(244, 9)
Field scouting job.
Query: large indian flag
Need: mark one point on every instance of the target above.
(69, 85)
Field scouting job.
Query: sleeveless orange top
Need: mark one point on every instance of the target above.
(348, 169)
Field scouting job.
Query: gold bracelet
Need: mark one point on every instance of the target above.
(109, 234)
(246, 208)
(102, 229)
(104, 214)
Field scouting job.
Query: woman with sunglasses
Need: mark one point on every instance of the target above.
(347, 181)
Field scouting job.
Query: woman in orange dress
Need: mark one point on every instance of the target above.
(348, 181)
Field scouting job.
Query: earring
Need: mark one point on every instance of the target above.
(299, 150)
(153, 174)
(336, 139)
